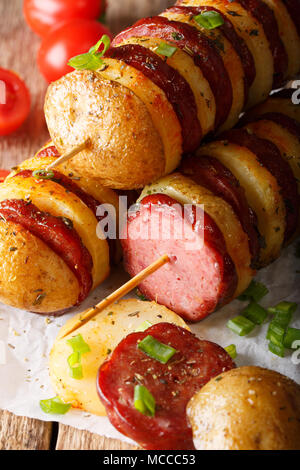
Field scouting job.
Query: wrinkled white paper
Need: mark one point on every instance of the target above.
(26, 340)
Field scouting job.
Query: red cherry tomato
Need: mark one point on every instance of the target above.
(43, 15)
(72, 38)
(14, 101)
(3, 175)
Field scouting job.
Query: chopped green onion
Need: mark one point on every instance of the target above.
(43, 174)
(277, 350)
(144, 401)
(231, 350)
(74, 362)
(292, 335)
(255, 313)
(166, 50)
(241, 325)
(159, 351)
(144, 326)
(92, 60)
(283, 311)
(255, 292)
(209, 19)
(79, 345)
(55, 406)
(283, 319)
(276, 333)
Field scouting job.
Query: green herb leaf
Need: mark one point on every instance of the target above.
(92, 60)
(55, 406)
(209, 19)
(144, 401)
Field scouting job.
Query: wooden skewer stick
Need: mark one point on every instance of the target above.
(68, 155)
(117, 295)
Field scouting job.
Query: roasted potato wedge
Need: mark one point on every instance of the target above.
(50, 197)
(249, 408)
(106, 107)
(32, 276)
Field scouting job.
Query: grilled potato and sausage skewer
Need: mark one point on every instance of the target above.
(170, 80)
(52, 254)
(245, 185)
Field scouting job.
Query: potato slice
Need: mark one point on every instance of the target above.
(163, 115)
(262, 192)
(276, 105)
(32, 276)
(53, 198)
(185, 191)
(253, 34)
(287, 143)
(288, 34)
(102, 334)
(231, 61)
(90, 186)
(185, 65)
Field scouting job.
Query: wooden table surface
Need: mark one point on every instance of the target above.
(18, 52)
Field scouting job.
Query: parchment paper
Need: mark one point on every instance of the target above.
(26, 340)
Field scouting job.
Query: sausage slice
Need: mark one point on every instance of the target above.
(191, 40)
(57, 233)
(172, 385)
(201, 275)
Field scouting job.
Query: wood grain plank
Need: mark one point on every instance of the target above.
(19, 433)
(74, 439)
